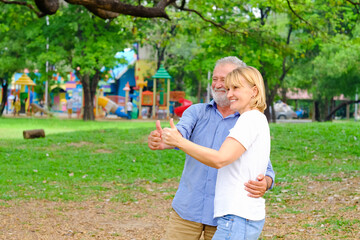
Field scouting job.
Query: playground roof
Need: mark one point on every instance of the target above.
(25, 80)
(130, 56)
(162, 73)
(60, 86)
(144, 69)
(129, 77)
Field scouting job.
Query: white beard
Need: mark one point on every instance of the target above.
(220, 97)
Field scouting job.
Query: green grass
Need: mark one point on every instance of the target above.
(78, 160)
(315, 149)
(110, 160)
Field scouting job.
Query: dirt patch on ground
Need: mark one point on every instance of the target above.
(103, 151)
(317, 209)
(79, 144)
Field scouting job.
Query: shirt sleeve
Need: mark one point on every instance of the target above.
(270, 172)
(244, 131)
(188, 120)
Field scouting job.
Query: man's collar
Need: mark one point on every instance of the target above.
(212, 103)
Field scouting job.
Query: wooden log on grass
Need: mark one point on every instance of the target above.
(35, 133)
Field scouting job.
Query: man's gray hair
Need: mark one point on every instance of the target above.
(230, 60)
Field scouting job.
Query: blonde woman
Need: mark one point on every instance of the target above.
(242, 157)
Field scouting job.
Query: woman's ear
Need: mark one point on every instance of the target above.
(255, 91)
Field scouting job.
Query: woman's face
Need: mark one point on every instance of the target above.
(240, 97)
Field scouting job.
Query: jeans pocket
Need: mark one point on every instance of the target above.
(225, 223)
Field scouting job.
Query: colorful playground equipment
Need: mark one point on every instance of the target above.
(36, 108)
(25, 81)
(161, 74)
(185, 104)
(122, 84)
(111, 106)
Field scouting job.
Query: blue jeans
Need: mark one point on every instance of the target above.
(231, 227)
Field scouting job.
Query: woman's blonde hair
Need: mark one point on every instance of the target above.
(253, 77)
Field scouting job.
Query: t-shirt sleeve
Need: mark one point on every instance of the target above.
(244, 130)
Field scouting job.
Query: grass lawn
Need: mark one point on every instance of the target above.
(78, 160)
(110, 161)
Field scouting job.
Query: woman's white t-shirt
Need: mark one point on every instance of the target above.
(252, 131)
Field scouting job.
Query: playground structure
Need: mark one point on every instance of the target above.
(119, 86)
(35, 108)
(111, 107)
(185, 104)
(159, 105)
(24, 81)
(161, 74)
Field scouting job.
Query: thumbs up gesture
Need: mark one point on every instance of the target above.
(171, 136)
(155, 141)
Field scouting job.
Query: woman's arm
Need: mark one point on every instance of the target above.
(229, 151)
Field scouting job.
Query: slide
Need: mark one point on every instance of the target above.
(36, 108)
(185, 104)
(112, 107)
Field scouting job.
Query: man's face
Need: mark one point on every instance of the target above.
(218, 90)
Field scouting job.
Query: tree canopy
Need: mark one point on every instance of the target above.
(295, 44)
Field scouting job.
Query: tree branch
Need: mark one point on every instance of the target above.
(117, 7)
(31, 7)
(357, 5)
(102, 13)
(302, 19)
(182, 8)
(106, 9)
(353, 3)
(329, 116)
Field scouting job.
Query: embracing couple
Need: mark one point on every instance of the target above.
(231, 134)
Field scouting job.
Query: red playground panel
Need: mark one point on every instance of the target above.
(185, 104)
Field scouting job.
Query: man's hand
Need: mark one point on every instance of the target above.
(258, 188)
(155, 141)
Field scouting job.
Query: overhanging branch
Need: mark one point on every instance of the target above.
(31, 7)
(357, 5)
(106, 9)
(302, 19)
(118, 7)
(102, 13)
(353, 3)
(182, 8)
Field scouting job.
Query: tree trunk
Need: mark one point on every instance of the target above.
(283, 94)
(4, 85)
(325, 109)
(89, 90)
(88, 113)
(270, 104)
(270, 96)
(316, 112)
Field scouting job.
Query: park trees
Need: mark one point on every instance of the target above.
(332, 72)
(81, 41)
(331, 63)
(14, 39)
(281, 38)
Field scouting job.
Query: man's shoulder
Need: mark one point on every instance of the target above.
(199, 105)
(197, 108)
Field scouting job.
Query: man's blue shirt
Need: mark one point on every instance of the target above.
(202, 124)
